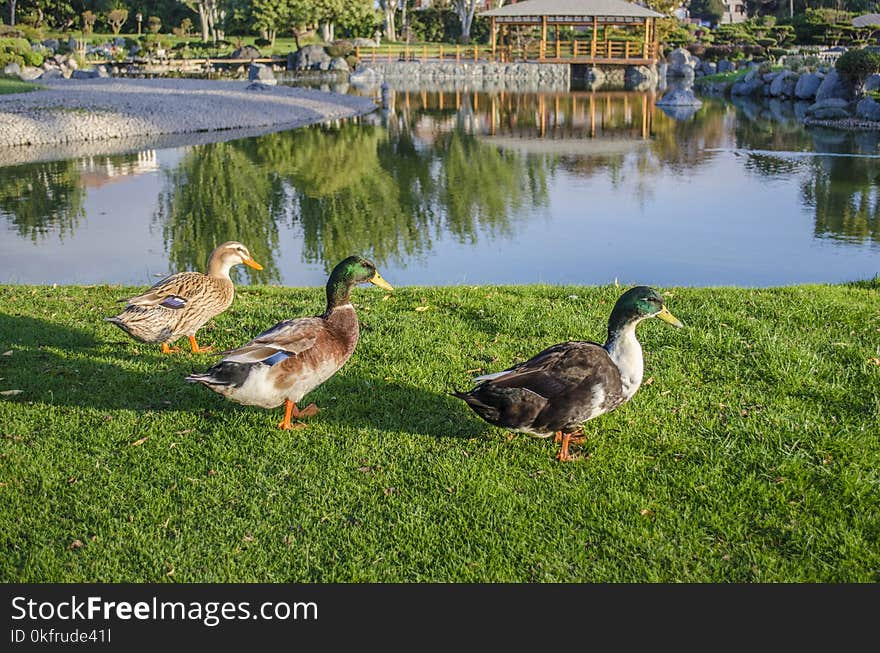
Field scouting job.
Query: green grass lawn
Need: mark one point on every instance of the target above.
(752, 455)
(12, 85)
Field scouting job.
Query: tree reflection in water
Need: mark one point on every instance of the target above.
(465, 166)
(42, 198)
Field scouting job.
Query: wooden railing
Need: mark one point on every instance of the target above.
(531, 51)
(424, 52)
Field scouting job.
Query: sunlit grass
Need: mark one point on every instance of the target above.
(10, 85)
(750, 455)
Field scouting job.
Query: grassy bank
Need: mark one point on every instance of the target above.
(11, 85)
(752, 455)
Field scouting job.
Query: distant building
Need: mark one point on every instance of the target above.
(734, 11)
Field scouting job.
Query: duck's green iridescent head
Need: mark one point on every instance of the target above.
(349, 273)
(639, 303)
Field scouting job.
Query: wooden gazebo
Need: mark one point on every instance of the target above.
(633, 40)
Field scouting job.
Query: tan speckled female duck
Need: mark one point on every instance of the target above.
(181, 304)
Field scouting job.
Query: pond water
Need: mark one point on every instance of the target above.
(465, 187)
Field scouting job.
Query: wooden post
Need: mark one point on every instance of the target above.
(645, 47)
(494, 34)
(542, 110)
(457, 53)
(595, 36)
(441, 53)
(543, 50)
(558, 53)
(492, 117)
(476, 47)
(592, 116)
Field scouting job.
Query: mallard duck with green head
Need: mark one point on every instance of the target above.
(568, 384)
(286, 362)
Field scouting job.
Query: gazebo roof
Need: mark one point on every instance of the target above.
(866, 20)
(531, 8)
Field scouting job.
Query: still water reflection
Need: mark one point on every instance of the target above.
(469, 187)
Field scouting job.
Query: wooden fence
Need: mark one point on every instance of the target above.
(584, 50)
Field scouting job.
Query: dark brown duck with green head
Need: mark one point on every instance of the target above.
(568, 384)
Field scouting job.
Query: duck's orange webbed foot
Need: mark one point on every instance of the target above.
(309, 411)
(290, 410)
(194, 346)
(169, 350)
(568, 438)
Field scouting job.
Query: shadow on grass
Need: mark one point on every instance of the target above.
(62, 365)
(353, 402)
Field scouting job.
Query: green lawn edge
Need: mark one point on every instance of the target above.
(751, 454)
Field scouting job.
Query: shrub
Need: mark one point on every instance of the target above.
(340, 49)
(18, 50)
(7, 31)
(262, 43)
(856, 66)
(154, 24)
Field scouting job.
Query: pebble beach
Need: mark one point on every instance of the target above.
(78, 111)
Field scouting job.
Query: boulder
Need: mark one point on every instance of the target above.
(806, 86)
(71, 63)
(834, 87)
(872, 83)
(594, 76)
(309, 57)
(258, 72)
(725, 66)
(829, 109)
(868, 109)
(52, 73)
(247, 52)
(258, 86)
(11, 69)
(640, 77)
(84, 74)
(364, 76)
(784, 84)
(681, 64)
(30, 73)
(679, 97)
(364, 43)
(340, 64)
(748, 88)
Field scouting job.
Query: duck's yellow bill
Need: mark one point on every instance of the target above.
(669, 318)
(251, 263)
(377, 280)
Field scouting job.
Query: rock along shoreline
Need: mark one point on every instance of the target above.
(77, 111)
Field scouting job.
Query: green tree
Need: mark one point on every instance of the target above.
(709, 10)
(116, 18)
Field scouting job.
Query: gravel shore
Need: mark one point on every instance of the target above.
(76, 111)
